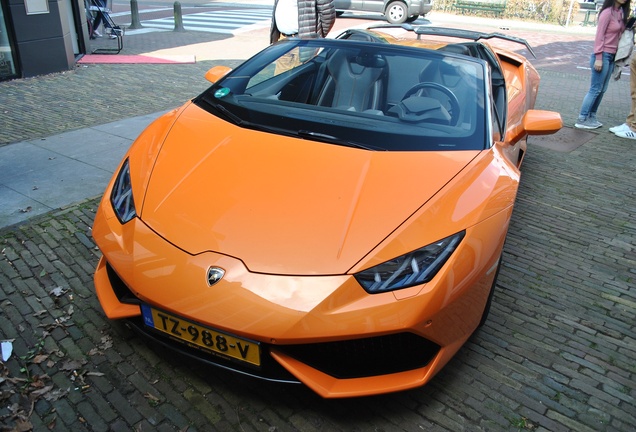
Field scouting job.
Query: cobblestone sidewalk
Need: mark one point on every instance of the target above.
(557, 354)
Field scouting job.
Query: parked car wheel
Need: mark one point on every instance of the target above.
(412, 18)
(396, 12)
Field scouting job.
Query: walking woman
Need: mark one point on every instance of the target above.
(610, 24)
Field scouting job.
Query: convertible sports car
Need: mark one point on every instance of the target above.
(331, 212)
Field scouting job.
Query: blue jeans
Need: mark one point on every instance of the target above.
(598, 86)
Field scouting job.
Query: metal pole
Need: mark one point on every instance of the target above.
(134, 15)
(567, 21)
(178, 18)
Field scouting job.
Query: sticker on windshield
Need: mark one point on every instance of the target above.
(222, 92)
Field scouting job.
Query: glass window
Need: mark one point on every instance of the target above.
(8, 68)
(370, 95)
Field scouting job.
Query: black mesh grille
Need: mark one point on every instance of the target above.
(365, 357)
(120, 289)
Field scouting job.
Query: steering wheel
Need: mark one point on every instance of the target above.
(452, 99)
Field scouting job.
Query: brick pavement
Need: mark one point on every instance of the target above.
(557, 354)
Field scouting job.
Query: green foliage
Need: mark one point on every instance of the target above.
(548, 11)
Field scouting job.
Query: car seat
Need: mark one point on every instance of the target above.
(355, 80)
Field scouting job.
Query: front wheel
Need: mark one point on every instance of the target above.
(396, 12)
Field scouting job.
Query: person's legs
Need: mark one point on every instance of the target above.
(631, 118)
(592, 94)
(99, 18)
(591, 101)
(628, 129)
(630, 121)
(605, 75)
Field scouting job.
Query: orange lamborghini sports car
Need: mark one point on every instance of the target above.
(331, 212)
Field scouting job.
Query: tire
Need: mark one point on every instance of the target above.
(339, 13)
(395, 12)
(412, 18)
(484, 315)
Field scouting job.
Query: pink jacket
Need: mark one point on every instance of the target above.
(609, 27)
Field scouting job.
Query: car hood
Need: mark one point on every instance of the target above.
(280, 204)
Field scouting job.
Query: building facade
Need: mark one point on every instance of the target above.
(38, 37)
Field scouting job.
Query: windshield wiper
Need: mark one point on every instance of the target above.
(318, 136)
(229, 114)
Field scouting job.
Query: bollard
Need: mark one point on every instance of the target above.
(178, 18)
(134, 15)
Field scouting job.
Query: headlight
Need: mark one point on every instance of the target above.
(121, 197)
(413, 268)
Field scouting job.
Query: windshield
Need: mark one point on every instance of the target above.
(370, 95)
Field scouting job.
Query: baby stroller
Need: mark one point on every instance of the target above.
(97, 13)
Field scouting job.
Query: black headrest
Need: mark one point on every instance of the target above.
(456, 48)
(369, 59)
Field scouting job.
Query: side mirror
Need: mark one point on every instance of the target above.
(535, 122)
(216, 73)
(538, 122)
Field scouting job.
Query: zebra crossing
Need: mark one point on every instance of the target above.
(221, 21)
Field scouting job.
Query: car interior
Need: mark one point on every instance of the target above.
(434, 89)
(360, 93)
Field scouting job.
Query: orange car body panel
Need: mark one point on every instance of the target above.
(335, 190)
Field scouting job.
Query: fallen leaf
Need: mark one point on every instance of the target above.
(37, 393)
(57, 291)
(107, 342)
(37, 382)
(152, 399)
(39, 358)
(72, 365)
(23, 425)
(51, 425)
(55, 395)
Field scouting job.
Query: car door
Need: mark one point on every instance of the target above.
(349, 5)
(373, 5)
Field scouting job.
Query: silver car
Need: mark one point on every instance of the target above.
(395, 11)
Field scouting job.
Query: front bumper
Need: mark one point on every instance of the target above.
(323, 331)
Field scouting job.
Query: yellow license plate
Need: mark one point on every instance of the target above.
(203, 337)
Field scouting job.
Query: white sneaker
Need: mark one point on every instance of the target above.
(96, 33)
(619, 128)
(627, 134)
